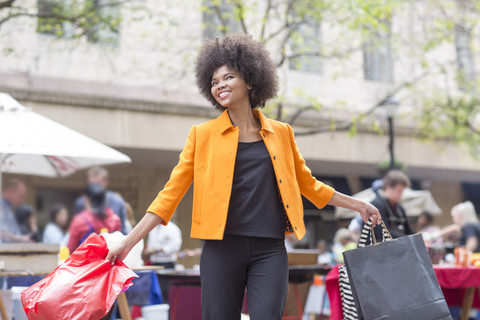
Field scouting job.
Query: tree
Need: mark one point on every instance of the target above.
(95, 19)
(442, 88)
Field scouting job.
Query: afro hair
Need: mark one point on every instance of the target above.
(244, 55)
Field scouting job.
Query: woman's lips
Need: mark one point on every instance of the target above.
(224, 95)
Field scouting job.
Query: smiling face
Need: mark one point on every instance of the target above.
(228, 88)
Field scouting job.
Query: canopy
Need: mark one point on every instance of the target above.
(414, 202)
(33, 144)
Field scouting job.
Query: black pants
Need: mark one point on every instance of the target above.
(228, 266)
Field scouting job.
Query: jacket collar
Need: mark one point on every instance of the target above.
(225, 123)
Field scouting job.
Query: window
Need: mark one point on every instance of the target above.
(48, 21)
(465, 60)
(220, 17)
(377, 56)
(305, 47)
(104, 22)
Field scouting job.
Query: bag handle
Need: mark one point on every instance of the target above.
(368, 231)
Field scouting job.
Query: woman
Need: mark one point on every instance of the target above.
(96, 218)
(56, 229)
(248, 177)
(465, 218)
(27, 222)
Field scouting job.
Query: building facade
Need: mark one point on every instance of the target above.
(133, 88)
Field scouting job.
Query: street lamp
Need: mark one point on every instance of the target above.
(390, 106)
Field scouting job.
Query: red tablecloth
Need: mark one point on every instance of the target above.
(453, 281)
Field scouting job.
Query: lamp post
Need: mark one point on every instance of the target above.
(390, 106)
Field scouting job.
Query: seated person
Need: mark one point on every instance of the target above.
(466, 220)
(13, 196)
(163, 246)
(56, 229)
(430, 232)
(324, 256)
(341, 243)
(27, 222)
(95, 218)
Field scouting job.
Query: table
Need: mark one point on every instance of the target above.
(298, 274)
(185, 284)
(460, 286)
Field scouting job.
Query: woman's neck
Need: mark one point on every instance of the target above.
(243, 119)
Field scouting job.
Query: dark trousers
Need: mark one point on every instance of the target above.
(228, 266)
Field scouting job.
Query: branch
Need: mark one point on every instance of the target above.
(218, 11)
(346, 125)
(61, 16)
(241, 11)
(321, 55)
(264, 21)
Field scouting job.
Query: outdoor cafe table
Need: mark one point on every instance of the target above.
(460, 286)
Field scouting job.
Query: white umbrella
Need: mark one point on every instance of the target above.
(413, 201)
(33, 144)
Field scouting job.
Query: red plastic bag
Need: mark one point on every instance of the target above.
(84, 287)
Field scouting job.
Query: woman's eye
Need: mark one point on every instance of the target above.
(214, 84)
(229, 77)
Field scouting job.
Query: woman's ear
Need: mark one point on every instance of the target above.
(249, 86)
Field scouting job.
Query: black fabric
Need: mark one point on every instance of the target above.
(230, 265)
(470, 230)
(395, 219)
(255, 207)
(395, 280)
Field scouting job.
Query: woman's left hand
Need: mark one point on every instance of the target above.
(365, 209)
(368, 211)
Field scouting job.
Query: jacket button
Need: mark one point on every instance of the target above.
(287, 206)
(274, 158)
(264, 135)
(281, 182)
(295, 227)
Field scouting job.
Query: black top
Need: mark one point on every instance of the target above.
(255, 207)
(470, 230)
(395, 219)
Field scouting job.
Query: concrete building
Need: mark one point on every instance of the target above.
(136, 92)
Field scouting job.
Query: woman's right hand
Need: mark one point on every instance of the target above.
(117, 250)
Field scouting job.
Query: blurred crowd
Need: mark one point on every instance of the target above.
(463, 232)
(100, 210)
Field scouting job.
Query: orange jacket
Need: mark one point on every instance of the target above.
(208, 159)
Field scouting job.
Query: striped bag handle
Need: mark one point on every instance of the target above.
(367, 232)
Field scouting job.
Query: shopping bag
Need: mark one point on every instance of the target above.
(84, 287)
(395, 280)
(348, 303)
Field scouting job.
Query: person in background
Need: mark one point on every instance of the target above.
(342, 242)
(431, 233)
(99, 175)
(388, 203)
(14, 193)
(56, 229)
(130, 221)
(27, 222)
(324, 256)
(163, 246)
(96, 218)
(465, 219)
(290, 242)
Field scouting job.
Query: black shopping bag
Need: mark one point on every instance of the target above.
(395, 280)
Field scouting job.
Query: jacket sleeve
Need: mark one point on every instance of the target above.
(315, 191)
(180, 180)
